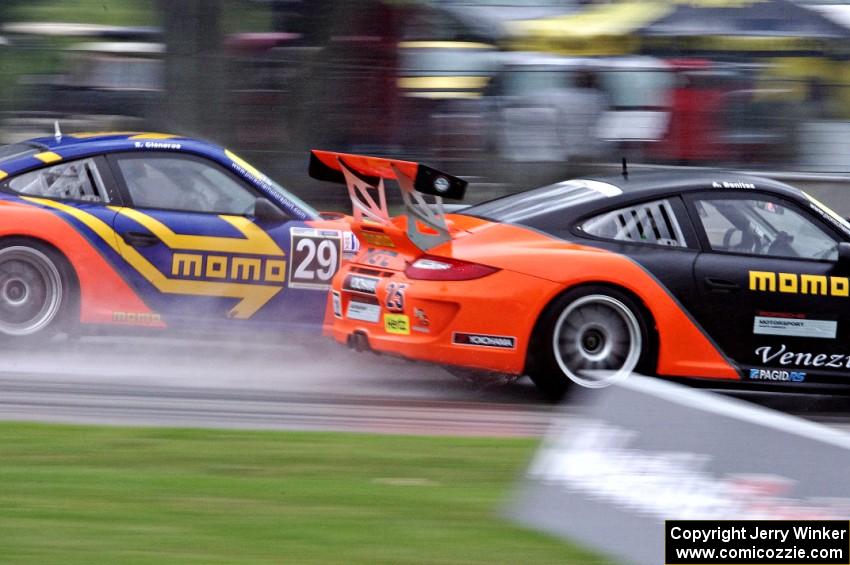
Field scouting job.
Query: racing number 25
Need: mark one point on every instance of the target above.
(316, 259)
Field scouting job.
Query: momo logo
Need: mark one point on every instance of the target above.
(227, 267)
(793, 283)
(250, 268)
(481, 340)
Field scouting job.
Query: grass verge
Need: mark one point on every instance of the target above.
(75, 494)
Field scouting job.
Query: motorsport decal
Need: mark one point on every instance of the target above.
(247, 171)
(793, 283)
(776, 375)
(216, 261)
(363, 311)
(827, 213)
(798, 327)
(483, 340)
(782, 356)
(397, 324)
(361, 283)
(316, 257)
(337, 303)
(395, 297)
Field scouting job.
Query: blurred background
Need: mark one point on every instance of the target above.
(508, 93)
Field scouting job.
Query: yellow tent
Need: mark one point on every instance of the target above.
(606, 29)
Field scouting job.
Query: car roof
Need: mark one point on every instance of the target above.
(555, 207)
(639, 184)
(37, 152)
(81, 145)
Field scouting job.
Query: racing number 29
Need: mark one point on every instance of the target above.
(316, 260)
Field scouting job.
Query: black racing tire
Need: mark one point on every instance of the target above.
(589, 337)
(38, 291)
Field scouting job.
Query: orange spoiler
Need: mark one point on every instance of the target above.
(329, 165)
(364, 176)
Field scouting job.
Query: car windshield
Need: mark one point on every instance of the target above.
(841, 222)
(284, 194)
(559, 196)
(311, 212)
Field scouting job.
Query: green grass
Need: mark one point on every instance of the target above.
(73, 494)
(238, 15)
(106, 12)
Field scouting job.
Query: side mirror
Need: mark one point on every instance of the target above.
(843, 254)
(265, 211)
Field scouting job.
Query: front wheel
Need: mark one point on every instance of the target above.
(34, 289)
(591, 337)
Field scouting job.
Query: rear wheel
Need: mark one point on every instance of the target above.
(590, 337)
(35, 289)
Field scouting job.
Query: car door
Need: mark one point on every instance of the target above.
(771, 294)
(198, 254)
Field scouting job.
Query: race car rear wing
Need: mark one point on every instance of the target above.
(364, 176)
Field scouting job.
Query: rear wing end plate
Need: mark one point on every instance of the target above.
(364, 177)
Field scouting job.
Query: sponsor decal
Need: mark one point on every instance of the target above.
(363, 311)
(423, 324)
(379, 239)
(379, 257)
(360, 283)
(247, 171)
(337, 304)
(316, 256)
(137, 318)
(604, 461)
(798, 327)
(200, 265)
(777, 375)
(782, 356)
(781, 315)
(395, 297)
(228, 267)
(724, 184)
(350, 244)
(483, 340)
(441, 184)
(397, 324)
(827, 213)
(793, 283)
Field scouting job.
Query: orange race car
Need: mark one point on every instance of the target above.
(709, 275)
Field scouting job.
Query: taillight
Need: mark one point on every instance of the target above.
(431, 268)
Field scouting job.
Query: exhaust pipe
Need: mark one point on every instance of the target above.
(359, 342)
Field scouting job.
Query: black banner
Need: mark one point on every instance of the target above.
(757, 542)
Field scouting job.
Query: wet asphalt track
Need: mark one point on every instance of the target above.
(294, 383)
(291, 383)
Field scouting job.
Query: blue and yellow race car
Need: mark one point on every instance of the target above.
(156, 230)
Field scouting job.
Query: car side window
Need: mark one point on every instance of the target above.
(74, 180)
(649, 222)
(178, 183)
(763, 226)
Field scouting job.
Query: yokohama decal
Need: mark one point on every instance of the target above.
(482, 340)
